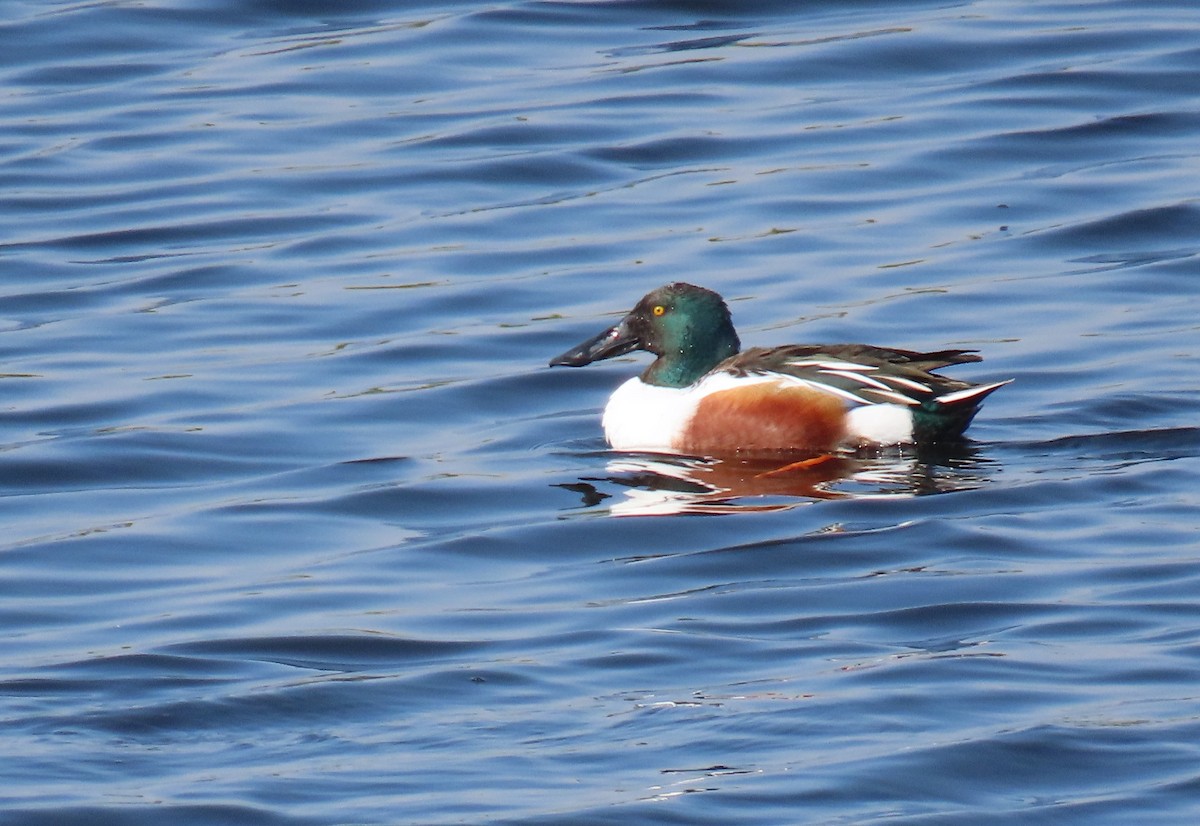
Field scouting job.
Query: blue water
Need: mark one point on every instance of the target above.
(300, 529)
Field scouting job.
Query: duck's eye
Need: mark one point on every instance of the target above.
(659, 309)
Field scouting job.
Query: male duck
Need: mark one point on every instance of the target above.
(701, 396)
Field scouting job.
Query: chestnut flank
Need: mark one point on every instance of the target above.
(765, 417)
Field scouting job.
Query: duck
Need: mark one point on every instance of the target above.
(705, 396)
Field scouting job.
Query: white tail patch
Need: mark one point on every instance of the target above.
(879, 424)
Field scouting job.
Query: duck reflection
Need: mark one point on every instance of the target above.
(658, 484)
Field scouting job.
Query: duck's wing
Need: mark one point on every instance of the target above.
(861, 373)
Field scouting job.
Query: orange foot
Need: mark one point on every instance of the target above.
(803, 464)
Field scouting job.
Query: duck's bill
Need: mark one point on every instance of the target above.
(615, 341)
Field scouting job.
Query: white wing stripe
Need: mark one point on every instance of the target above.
(829, 365)
(893, 396)
(900, 381)
(829, 388)
(970, 392)
(867, 380)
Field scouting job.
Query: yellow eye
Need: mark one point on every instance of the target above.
(659, 309)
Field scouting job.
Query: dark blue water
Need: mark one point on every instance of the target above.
(300, 529)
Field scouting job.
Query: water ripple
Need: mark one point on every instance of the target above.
(297, 519)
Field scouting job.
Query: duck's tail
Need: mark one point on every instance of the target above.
(948, 415)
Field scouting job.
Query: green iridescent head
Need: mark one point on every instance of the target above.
(687, 327)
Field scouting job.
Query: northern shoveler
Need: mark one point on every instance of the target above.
(703, 395)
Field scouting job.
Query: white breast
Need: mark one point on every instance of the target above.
(640, 416)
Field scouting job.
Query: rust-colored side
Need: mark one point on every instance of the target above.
(765, 417)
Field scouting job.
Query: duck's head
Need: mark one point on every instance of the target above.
(686, 326)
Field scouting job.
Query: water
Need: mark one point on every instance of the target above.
(300, 529)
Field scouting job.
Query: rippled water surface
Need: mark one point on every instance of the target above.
(299, 528)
